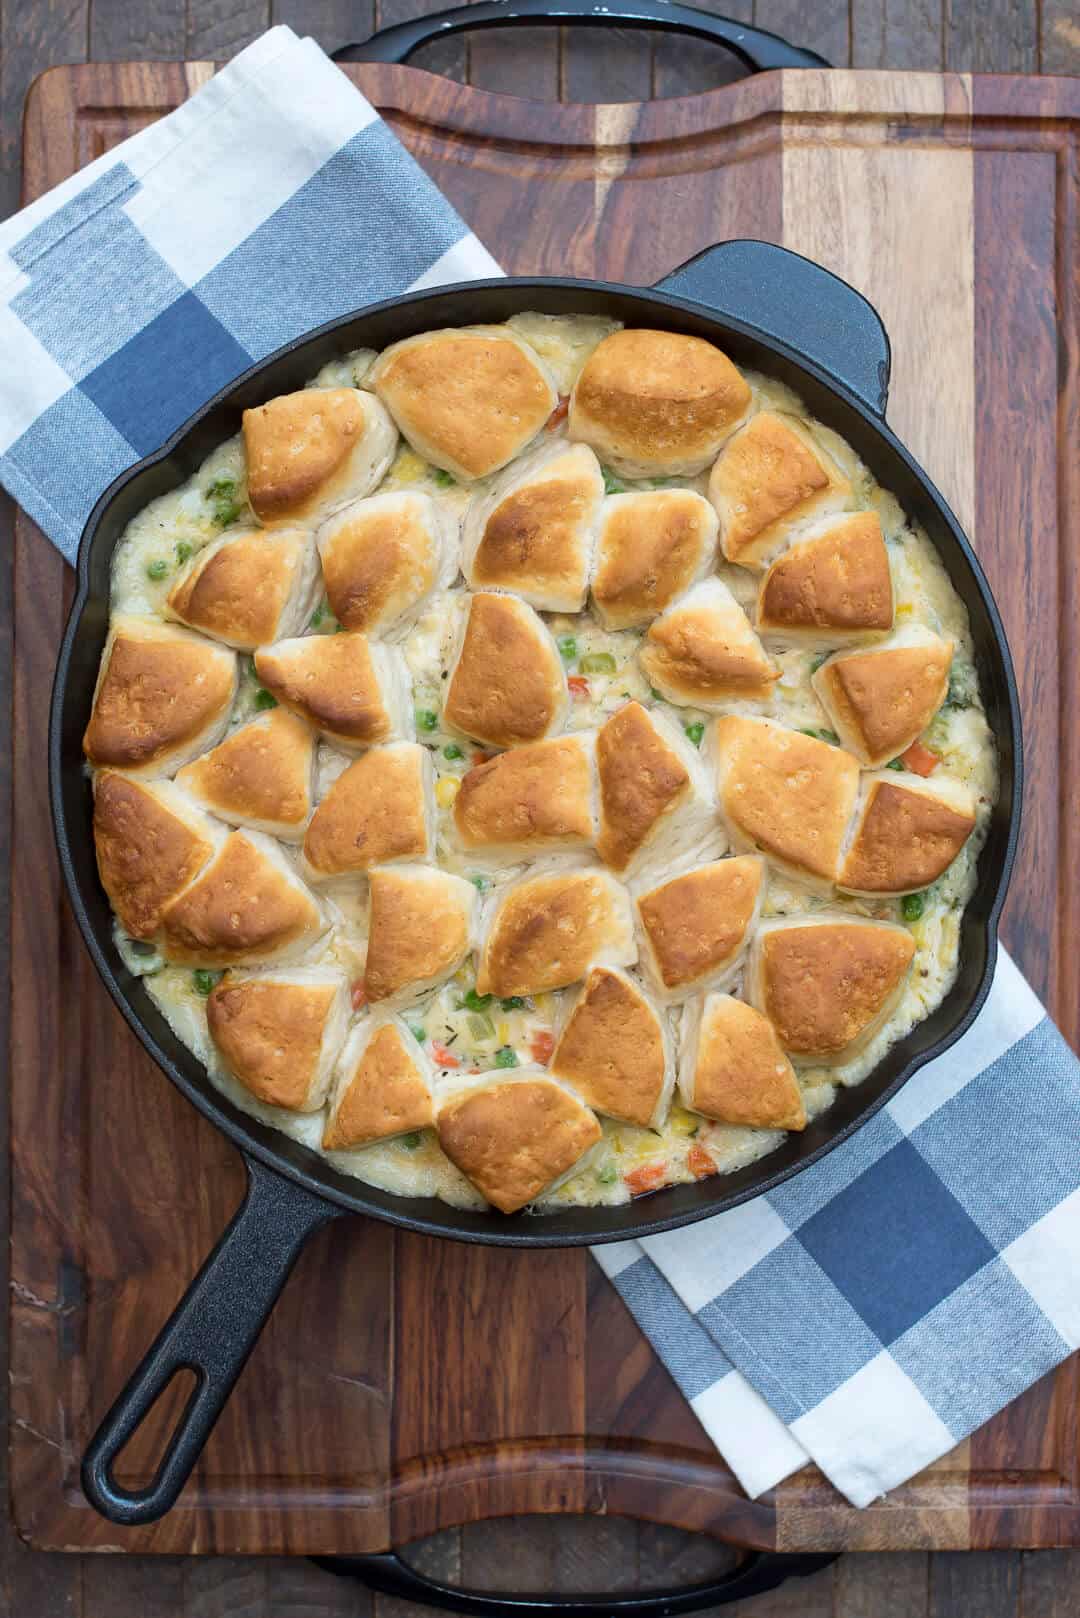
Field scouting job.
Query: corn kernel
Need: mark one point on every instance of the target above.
(446, 791)
(502, 1032)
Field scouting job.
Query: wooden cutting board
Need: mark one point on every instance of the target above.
(404, 1384)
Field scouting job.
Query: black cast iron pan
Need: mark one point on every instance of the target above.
(767, 308)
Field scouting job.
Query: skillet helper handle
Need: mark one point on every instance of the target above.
(791, 298)
(761, 1571)
(756, 48)
(211, 1332)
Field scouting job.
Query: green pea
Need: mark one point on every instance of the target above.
(480, 883)
(912, 906)
(480, 1025)
(567, 648)
(221, 489)
(157, 569)
(317, 616)
(655, 694)
(425, 719)
(513, 1002)
(506, 1056)
(203, 982)
(452, 750)
(816, 662)
(598, 663)
(696, 732)
(612, 484)
(895, 764)
(265, 700)
(444, 479)
(183, 552)
(608, 1174)
(418, 1032)
(476, 1002)
(412, 1140)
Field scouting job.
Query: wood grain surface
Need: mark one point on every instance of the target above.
(118, 1192)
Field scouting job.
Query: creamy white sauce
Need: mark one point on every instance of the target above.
(175, 526)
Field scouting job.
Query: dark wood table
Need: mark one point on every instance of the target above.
(562, 1553)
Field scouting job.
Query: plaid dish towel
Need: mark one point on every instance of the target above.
(879, 1306)
(273, 200)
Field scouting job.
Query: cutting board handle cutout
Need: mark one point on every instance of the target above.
(756, 48)
(758, 1572)
(797, 302)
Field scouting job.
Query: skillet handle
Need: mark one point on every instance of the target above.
(212, 1331)
(756, 48)
(761, 1571)
(790, 297)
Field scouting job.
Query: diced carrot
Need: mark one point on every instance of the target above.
(920, 760)
(559, 413)
(647, 1178)
(579, 687)
(359, 995)
(541, 1046)
(699, 1162)
(443, 1057)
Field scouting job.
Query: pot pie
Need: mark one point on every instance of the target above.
(537, 764)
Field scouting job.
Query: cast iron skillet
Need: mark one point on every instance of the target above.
(767, 308)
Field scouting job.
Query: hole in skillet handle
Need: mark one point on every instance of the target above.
(211, 1332)
(791, 298)
(761, 1571)
(756, 48)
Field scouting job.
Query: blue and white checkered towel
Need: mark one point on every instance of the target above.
(877, 1307)
(271, 201)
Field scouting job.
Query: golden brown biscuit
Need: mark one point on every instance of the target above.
(653, 789)
(533, 532)
(788, 795)
(353, 690)
(383, 555)
(696, 926)
(652, 402)
(507, 685)
(151, 842)
(828, 985)
(881, 699)
(907, 834)
(650, 548)
(248, 907)
(702, 651)
(535, 797)
(247, 589)
(378, 811)
(513, 1137)
(769, 479)
(615, 1050)
(163, 695)
(383, 1087)
(279, 1034)
(419, 930)
(547, 930)
(468, 398)
(830, 587)
(310, 451)
(735, 1070)
(261, 776)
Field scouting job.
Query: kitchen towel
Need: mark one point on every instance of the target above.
(880, 1305)
(273, 200)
